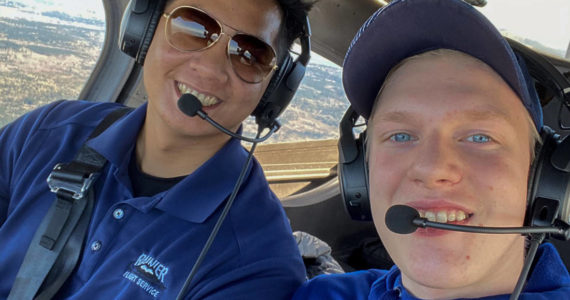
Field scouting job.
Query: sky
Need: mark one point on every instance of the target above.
(547, 21)
(92, 8)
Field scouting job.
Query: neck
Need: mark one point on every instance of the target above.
(164, 154)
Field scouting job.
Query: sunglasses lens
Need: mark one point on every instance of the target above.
(251, 58)
(189, 29)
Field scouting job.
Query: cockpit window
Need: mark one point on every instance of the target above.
(541, 25)
(315, 110)
(47, 51)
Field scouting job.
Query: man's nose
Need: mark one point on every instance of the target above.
(212, 63)
(436, 163)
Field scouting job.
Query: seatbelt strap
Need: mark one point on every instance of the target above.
(57, 244)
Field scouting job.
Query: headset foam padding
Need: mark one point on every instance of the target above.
(138, 25)
(353, 170)
(549, 181)
(270, 102)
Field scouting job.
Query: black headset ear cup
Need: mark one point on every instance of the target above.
(284, 82)
(547, 185)
(138, 25)
(261, 111)
(353, 169)
(279, 92)
(549, 181)
(149, 34)
(536, 169)
(283, 69)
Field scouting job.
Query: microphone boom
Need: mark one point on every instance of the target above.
(191, 106)
(404, 219)
(424, 223)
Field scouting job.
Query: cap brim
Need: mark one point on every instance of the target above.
(406, 28)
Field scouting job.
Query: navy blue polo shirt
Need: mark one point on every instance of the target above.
(549, 280)
(144, 247)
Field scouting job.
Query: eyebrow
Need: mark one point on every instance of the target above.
(483, 113)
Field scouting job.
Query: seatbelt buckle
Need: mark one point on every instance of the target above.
(66, 177)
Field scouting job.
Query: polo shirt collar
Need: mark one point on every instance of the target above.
(390, 282)
(195, 197)
(198, 195)
(546, 276)
(117, 141)
(548, 270)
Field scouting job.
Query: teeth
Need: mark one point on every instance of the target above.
(451, 216)
(205, 100)
(460, 215)
(430, 215)
(443, 216)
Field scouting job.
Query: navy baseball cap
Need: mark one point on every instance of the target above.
(406, 28)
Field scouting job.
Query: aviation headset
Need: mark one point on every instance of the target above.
(549, 177)
(140, 19)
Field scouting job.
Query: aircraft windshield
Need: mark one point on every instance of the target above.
(541, 25)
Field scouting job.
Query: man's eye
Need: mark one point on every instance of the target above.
(479, 138)
(401, 137)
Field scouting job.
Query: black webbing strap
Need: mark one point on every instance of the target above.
(56, 245)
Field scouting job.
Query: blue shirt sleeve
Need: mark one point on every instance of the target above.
(13, 139)
(8, 151)
(265, 279)
(355, 285)
(3, 179)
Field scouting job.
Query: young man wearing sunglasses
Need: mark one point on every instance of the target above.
(452, 124)
(167, 175)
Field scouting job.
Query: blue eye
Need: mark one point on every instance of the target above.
(401, 137)
(479, 138)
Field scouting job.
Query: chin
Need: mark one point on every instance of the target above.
(445, 282)
(444, 276)
(436, 265)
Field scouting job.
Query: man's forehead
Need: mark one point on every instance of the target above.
(456, 81)
(450, 56)
(447, 71)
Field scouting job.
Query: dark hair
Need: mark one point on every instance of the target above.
(294, 14)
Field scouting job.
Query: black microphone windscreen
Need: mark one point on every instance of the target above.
(399, 219)
(189, 104)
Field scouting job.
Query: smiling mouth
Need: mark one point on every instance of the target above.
(445, 216)
(204, 99)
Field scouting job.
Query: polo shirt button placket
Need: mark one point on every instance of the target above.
(394, 294)
(96, 246)
(118, 214)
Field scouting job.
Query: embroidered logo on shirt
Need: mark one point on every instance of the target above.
(147, 273)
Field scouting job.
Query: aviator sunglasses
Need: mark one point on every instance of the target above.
(190, 29)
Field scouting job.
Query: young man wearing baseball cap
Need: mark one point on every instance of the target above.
(452, 128)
